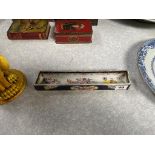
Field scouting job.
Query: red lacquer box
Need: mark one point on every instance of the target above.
(73, 31)
(29, 29)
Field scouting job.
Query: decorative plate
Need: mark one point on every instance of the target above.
(146, 63)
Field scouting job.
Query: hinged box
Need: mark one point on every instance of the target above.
(107, 80)
(29, 29)
(73, 31)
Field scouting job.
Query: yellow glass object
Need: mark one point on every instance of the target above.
(12, 82)
(4, 64)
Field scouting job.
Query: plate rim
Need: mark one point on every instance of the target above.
(149, 44)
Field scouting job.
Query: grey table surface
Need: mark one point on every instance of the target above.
(115, 45)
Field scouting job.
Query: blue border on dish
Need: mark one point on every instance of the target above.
(150, 44)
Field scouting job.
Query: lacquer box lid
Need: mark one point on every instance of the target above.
(73, 27)
(18, 27)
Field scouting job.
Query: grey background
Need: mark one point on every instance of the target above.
(115, 45)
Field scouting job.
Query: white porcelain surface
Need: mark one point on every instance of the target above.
(150, 64)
